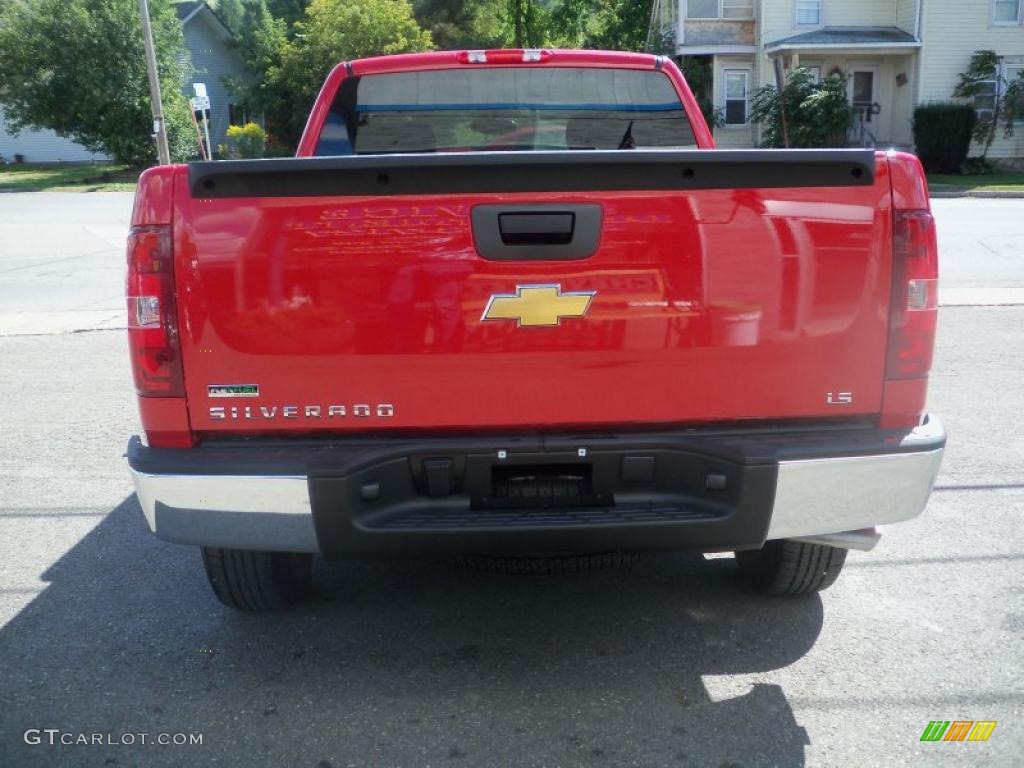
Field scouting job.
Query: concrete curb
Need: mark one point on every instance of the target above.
(991, 194)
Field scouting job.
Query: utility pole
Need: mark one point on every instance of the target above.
(780, 85)
(159, 126)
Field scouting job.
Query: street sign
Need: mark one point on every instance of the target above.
(200, 89)
(200, 103)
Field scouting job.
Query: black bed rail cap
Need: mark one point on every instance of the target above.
(554, 171)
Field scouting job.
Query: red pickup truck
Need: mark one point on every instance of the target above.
(514, 305)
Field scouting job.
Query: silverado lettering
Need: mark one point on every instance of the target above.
(602, 333)
(220, 412)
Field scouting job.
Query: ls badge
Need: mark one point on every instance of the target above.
(538, 305)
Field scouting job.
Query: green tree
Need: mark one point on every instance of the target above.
(805, 113)
(77, 67)
(232, 12)
(458, 24)
(622, 25)
(333, 31)
(290, 11)
(608, 24)
(529, 22)
(984, 84)
(261, 39)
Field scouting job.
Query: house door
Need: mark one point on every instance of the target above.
(863, 91)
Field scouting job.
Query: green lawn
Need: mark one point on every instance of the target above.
(988, 182)
(66, 177)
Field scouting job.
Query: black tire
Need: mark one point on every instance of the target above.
(257, 581)
(791, 567)
(521, 565)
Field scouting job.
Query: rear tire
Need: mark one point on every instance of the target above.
(257, 581)
(786, 567)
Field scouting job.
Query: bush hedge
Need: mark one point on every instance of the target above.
(942, 135)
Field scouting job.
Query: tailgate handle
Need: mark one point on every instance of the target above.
(536, 232)
(536, 228)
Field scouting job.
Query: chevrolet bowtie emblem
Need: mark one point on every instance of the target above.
(537, 305)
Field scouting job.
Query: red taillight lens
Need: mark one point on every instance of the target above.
(914, 300)
(152, 314)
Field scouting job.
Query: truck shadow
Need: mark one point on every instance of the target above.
(402, 664)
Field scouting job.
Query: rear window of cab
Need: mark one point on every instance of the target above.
(506, 108)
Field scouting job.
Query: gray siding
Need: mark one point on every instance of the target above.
(906, 15)
(213, 60)
(42, 146)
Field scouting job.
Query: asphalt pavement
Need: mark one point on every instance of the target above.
(107, 630)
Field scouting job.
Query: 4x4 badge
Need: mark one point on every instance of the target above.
(233, 390)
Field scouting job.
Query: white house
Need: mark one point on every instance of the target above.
(895, 54)
(952, 32)
(214, 59)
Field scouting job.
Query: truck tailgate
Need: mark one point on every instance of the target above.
(743, 290)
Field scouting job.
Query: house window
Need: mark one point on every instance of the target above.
(1013, 73)
(990, 91)
(702, 9)
(985, 100)
(808, 12)
(737, 9)
(736, 96)
(815, 72)
(720, 9)
(1005, 11)
(237, 115)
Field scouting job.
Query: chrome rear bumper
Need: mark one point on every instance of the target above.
(233, 511)
(828, 500)
(824, 496)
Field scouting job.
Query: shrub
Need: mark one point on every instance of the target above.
(247, 140)
(805, 113)
(979, 166)
(942, 135)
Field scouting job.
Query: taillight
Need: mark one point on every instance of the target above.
(152, 316)
(913, 310)
(914, 302)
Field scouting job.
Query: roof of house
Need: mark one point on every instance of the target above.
(189, 9)
(849, 37)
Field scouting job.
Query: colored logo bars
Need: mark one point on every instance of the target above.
(958, 730)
